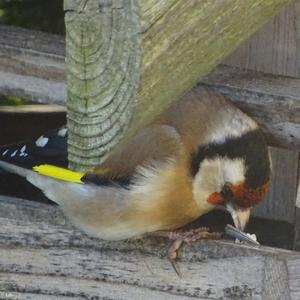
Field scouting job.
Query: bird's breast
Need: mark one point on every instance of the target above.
(160, 198)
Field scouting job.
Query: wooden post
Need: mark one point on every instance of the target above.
(128, 60)
(32, 66)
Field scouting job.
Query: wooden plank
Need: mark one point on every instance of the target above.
(55, 287)
(42, 255)
(297, 214)
(273, 49)
(32, 65)
(32, 88)
(297, 230)
(293, 266)
(298, 194)
(29, 296)
(17, 40)
(280, 202)
(273, 101)
(32, 109)
(297, 26)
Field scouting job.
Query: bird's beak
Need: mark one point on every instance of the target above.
(240, 216)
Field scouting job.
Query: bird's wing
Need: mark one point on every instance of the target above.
(50, 148)
(154, 143)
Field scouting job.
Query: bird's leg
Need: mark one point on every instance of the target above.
(178, 237)
(188, 236)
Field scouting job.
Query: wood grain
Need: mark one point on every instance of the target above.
(297, 230)
(43, 255)
(280, 202)
(297, 214)
(298, 195)
(32, 65)
(297, 26)
(273, 49)
(32, 109)
(272, 100)
(103, 57)
(165, 51)
(293, 265)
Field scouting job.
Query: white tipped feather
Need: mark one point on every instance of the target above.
(51, 187)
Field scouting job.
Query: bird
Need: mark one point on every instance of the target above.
(201, 153)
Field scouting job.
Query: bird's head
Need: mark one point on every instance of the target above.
(233, 173)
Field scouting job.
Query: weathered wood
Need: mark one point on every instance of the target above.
(56, 287)
(297, 25)
(43, 255)
(253, 92)
(32, 109)
(32, 65)
(280, 202)
(298, 194)
(273, 49)
(273, 101)
(103, 54)
(297, 215)
(297, 230)
(129, 60)
(293, 265)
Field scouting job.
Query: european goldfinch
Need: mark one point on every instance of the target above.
(201, 153)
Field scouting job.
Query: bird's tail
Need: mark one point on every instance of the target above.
(51, 187)
(14, 169)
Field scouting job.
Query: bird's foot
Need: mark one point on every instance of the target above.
(189, 236)
(178, 237)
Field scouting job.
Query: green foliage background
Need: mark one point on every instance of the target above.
(43, 15)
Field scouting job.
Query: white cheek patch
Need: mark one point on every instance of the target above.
(213, 174)
(234, 170)
(208, 180)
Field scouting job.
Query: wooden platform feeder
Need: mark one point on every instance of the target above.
(126, 62)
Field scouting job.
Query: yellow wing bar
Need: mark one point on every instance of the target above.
(59, 173)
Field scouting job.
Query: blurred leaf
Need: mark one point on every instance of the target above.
(11, 100)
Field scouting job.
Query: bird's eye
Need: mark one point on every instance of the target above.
(226, 191)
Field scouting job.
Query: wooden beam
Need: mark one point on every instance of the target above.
(128, 60)
(32, 109)
(273, 101)
(32, 65)
(43, 255)
(280, 202)
(298, 194)
(274, 48)
(297, 230)
(297, 27)
(297, 214)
